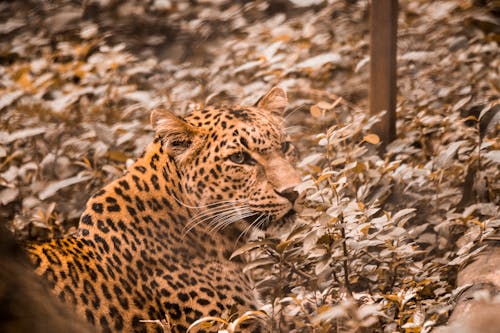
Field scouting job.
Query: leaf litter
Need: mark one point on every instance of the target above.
(379, 239)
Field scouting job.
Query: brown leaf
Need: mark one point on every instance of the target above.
(8, 195)
(372, 138)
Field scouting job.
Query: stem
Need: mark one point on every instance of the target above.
(478, 152)
(345, 263)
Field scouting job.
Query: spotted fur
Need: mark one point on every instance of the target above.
(155, 243)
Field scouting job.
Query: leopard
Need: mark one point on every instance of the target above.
(156, 243)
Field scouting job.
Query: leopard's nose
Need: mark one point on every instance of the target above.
(289, 193)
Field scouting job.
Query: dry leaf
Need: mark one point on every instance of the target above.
(371, 138)
(8, 195)
(56, 186)
(316, 111)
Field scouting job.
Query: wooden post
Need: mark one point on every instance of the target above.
(382, 93)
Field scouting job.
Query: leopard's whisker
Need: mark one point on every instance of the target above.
(211, 215)
(228, 217)
(289, 114)
(224, 221)
(264, 221)
(214, 210)
(294, 129)
(249, 227)
(263, 217)
(235, 209)
(206, 216)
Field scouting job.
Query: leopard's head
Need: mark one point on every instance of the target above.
(235, 163)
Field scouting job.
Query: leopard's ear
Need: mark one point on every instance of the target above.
(176, 134)
(275, 101)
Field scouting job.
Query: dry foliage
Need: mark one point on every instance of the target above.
(380, 239)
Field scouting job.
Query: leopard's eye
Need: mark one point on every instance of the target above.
(242, 158)
(285, 146)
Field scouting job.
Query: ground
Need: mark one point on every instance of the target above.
(380, 239)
